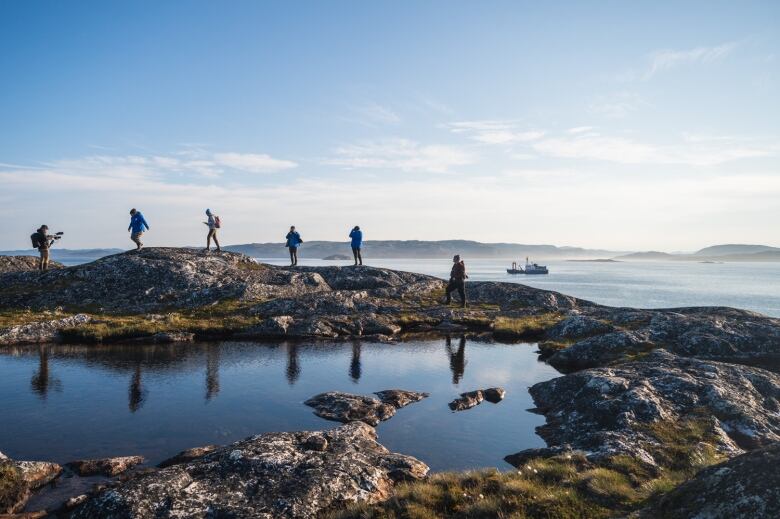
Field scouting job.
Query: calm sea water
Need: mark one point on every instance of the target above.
(62, 403)
(753, 286)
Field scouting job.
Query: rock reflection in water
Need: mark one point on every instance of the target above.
(156, 400)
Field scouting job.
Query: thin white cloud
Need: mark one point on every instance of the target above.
(580, 129)
(667, 59)
(617, 106)
(399, 154)
(376, 113)
(495, 131)
(630, 151)
(253, 162)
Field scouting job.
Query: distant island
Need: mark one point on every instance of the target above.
(418, 249)
(404, 249)
(597, 260)
(714, 254)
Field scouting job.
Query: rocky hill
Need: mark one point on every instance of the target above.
(651, 396)
(9, 264)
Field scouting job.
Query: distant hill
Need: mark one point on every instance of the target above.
(650, 256)
(67, 256)
(422, 249)
(730, 249)
(716, 253)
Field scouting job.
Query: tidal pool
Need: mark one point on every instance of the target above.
(61, 402)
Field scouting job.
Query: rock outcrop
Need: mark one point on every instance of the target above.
(41, 331)
(10, 264)
(747, 486)
(188, 455)
(337, 302)
(474, 398)
(612, 410)
(346, 407)
(274, 475)
(19, 478)
(725, 334)
(105, 466)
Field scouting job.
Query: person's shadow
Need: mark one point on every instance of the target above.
(212, 371)
(355, 368)
(136, 393)
(457, 358)
(42, 381)
(293, 371)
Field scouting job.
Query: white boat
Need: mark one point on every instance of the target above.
(530, 268)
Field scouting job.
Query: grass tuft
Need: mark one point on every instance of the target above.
(529, 326)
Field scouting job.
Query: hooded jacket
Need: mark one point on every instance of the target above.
(293, 239)
(357, 238)
(137, 223)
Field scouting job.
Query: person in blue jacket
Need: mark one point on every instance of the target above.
(357, 242)
(293, 242)
(137, 226)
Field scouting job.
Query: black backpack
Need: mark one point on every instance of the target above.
(36, 240)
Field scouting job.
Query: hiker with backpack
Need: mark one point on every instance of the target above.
(213, 224)
(457, 281)
(42, 240)
(137, 226)
(357, 243)
(293, 242)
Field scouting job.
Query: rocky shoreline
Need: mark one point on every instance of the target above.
(650, 398)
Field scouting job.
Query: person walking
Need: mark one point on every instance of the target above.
(293, 242)
(43, 241)
(137, 227)
(213, 224)
(457, 281)
(357, 242)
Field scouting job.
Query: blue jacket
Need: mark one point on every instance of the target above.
(137, 223)
(357, 238)
(293, 239)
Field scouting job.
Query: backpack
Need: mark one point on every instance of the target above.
(36, 242)
(217, 222)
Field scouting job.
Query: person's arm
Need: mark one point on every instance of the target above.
(131, 225)
(143, 222)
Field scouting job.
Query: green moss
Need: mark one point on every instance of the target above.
(412, 319)
(562, 486)
(13, 489)
(527, 326)
(218, 319)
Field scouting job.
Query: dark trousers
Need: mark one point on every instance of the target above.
(358, 256)
(460, 286)
(293, 256)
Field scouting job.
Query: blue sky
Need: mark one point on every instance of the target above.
(628, 125)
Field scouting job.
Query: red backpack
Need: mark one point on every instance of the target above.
(217, 222)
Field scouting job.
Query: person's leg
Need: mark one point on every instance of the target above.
(45, 260)
(295, 255)
(355, 253)
(360, 257)
(40, 260)
(292, 256)
(447, 292)
(136, 237)
(216, 241)
(208, 238)
(462, 293)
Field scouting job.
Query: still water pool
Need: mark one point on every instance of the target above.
(61, 403)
